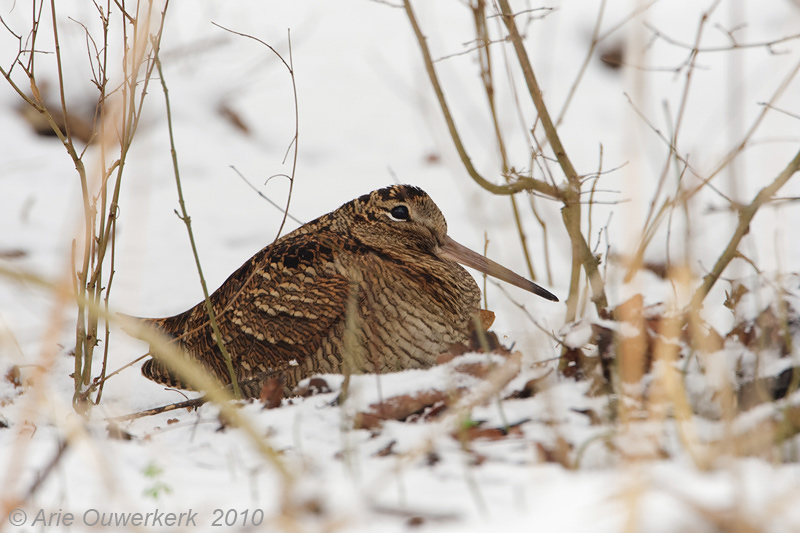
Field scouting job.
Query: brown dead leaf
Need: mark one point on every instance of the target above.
(478, 370)
(631, 345)
(477, 341)
(315, 386)
(312, 506)
(613, 57)
(14, 377)
(594, 419)
(386, 450)
(499, 433)
(492, 343)
(571, 364)
(80, 124)
(116, 432)
(272, 392)
(558, 453)
(429, 413)
(732, 298)
(486, 318)
(401, 407)
(13, 253)
(432, 158)
(415, 521)
(454, 351)
(531, 387)
(235, 118)
(703, 337)
(771, 329)
(577, 364)
(476, 459)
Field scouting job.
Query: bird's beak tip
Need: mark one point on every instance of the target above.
(450, 249)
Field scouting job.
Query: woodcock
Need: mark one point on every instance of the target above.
(375, 283)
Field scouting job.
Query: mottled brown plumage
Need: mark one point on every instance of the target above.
(373, 286)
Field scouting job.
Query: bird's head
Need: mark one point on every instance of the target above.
(404, 222)
(399, 220)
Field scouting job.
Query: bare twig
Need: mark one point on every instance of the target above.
(485, 60)
(186, 404)
(100, 208)
(264, 196)
(769, 45)
(570, 195)
(638, 10)
(520, 185)
(682, 195)
(290, 67)
(638, 257)
(42, 475)
(132, 88)
(188, 221)
(746, 215)
(586, 60)
(100, 381)
(739, 148)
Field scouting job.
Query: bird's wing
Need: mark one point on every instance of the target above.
(278, 307)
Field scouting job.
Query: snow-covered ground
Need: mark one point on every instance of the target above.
(368, 118)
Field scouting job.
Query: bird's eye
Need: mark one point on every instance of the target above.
(399, 212)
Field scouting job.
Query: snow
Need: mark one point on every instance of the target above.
(367, 118)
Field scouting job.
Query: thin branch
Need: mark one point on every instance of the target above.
(104, 377)
(586, 60)
(134, 57)
(746, 215)
(485, 61)
(734, 46)
(60, 72)
(290, 67)
(570, 195)
(520, 185)
(188, 221)
(632, 15)
(84, 341)
(736, 150)
(194, 403)
(638, 257)
(685, 195)
(779, 110)
(262, 195)
(42, 476)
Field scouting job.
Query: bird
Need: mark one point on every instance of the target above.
(374, 286)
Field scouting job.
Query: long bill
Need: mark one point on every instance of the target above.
(450, 249)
